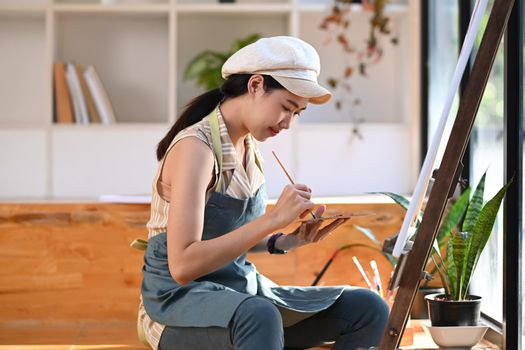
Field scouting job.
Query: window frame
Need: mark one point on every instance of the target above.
(513, 205)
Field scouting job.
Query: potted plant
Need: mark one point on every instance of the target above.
(451, 219)
(206, 66)
(456, 307)
(419, 307)
(462, 250)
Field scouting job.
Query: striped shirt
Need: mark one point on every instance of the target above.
(237, 182)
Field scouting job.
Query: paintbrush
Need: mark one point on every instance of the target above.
(377, 277)
(363, 273)
(290, 178)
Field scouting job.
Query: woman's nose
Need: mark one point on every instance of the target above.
(286, 122)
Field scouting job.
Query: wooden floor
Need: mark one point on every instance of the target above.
(116, 335)
(122, 335)
(110, 335)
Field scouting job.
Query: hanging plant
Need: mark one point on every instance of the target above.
(356, 58)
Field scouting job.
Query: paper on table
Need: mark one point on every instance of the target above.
(122, 198)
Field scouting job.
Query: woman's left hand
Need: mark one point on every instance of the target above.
(308, 232)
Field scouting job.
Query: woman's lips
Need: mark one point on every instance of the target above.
(273, 131)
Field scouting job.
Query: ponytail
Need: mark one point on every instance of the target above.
(194, 112)
(202, 105)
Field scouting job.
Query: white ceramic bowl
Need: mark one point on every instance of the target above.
(455, 337)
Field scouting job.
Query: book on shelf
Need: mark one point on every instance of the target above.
(90, 104)
(62, 97)
(100, 96)
(79, 95)
(79, 103)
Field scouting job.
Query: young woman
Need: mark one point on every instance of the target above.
(208, 210)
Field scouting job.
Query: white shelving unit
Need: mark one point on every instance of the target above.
(140, 49)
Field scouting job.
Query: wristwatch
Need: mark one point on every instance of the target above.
(271, 244)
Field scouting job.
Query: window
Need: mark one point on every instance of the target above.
(497, 146)
(443, 45)
(486, 151)
(521, 114)
(487, 155)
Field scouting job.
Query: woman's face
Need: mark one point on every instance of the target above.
(272, 111)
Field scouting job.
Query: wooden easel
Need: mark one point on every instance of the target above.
(412, 270)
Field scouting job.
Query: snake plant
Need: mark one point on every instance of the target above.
(462, 235)
(467, 242)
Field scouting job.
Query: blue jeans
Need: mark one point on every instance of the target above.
(357, 319)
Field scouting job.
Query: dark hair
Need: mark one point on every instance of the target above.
(202, 105)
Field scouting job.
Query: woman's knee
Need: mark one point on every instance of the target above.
(257, 324)
(258, 310)
(365, 305)
(366, 316)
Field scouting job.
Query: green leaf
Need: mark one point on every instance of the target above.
(202, 64)
(435, 253)
(240, 43)
(369, 234)
(216, 80)
(442, 275)
(453, 218)
(459, 256)
(402, 201)
(474, 206)
(209, 79)
(451, 270)
(390, 258)
(139, 244)
(198, 64)
(481, 232)
(205, 67)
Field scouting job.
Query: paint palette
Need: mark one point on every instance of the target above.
(336, 216)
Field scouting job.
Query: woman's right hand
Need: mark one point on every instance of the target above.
(294, 202)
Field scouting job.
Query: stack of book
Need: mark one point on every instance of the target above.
(80, 96)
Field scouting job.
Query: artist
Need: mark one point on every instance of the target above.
(208, 210)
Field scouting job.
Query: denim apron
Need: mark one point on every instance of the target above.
(211, 300)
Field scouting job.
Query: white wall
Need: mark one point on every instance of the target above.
(333, 162)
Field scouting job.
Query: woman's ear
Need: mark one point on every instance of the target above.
(256, 84)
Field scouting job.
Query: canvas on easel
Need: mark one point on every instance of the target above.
(413, 258)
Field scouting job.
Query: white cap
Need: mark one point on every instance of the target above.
(291, 61)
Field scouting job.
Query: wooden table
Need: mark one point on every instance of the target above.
(69, 277)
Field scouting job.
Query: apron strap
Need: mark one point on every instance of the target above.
(256, 154)
(141, 244)
(217, 146)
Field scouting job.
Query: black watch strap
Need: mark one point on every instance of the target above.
(271, 244)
